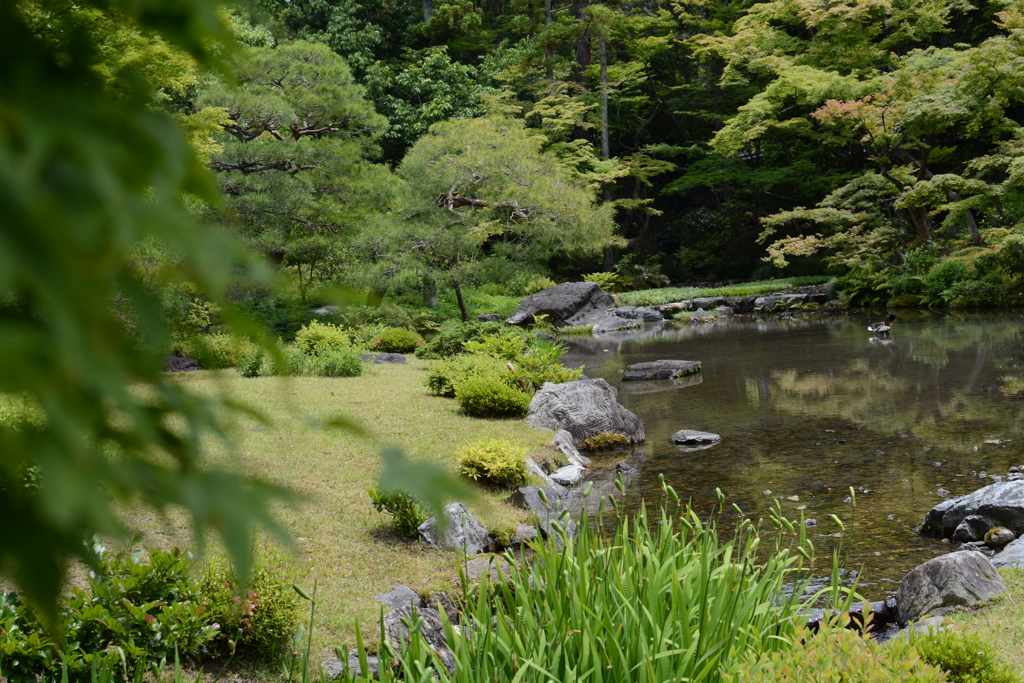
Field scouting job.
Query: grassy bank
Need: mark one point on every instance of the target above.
(666, 295)
(343, 543)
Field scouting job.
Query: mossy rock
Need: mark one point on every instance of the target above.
(810, 307)
(905, 301)
(605, 441)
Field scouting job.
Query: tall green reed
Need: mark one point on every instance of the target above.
(661, 599)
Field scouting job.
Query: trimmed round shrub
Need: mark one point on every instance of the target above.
(396, 340)
(445, 375)
(337, 362)
(496, 462)
(965, 658)
(490, 397)
(317, 338)
(215, 351)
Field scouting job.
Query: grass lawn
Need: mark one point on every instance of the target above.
(343, 542)
(1000, 622)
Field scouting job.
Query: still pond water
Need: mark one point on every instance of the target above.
(811, 407)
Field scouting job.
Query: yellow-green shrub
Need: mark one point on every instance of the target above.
(964, 658)
(215, 351)
(396, 340)
(490, 397)
(837, 656)
(495, 462)
(317, 337)
(444, 376)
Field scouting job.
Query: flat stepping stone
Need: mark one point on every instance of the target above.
(660, 369)
(691, 437)
(385, 358)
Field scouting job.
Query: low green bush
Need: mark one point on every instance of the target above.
(964, 658)
(251, 362)
(495, 462)
(408, 514)
(336, 362)
(317, 338)
(507, 344)
(396, 340)
(490, 397)
(942, 277)
(445, 375)
(257, 623)
(837, 655)
(537, 284)
(990, 291)
(215, 351)
(148, 605)
(452, 337)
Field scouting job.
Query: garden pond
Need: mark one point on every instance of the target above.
(809, 407)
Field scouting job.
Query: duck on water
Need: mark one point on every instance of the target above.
(882, 328)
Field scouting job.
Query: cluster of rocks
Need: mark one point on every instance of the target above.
(770, 303)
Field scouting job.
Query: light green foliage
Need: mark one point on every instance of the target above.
(538, 284)
(336, 362)
(488, 396)
(395, 340)
(656, 297)
(215, 351)
(451, 339)
(964, 657)
(838, 655)
(494, 462)
(445, 375)
(694, 606)
(609, 282)
(507, 344)
(575, 331)
(148, 604)
(408, 514)
(258, 621)
(86, 178)
(317, 338)
(251, 362)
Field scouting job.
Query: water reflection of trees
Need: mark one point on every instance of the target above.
(934, 379)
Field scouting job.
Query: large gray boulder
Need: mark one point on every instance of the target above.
(946, 582)
(396, 631)
(463, 531)
(567, 304)
(660, 369)
(584, 408)
(1003, 503)
(1011, 556)
(400, 596)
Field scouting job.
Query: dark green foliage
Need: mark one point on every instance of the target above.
(942, 277)
(147, 604)
(451, 339)
(490, 397)
(991, 291)
(259, 622)
(251, 362)
(964, 658)
(407, 513)
(396, 340)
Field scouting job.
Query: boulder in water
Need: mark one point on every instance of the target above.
(567, 304)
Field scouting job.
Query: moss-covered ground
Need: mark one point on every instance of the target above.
(342, 543)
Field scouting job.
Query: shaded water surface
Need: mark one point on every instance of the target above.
(811, 407)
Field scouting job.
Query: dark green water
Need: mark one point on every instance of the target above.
(914, 413)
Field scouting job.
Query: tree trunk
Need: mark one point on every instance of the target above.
(605, 148)
(548, 53)
(582, 43)
(462, 303)
(429, 292)
(919, 219)
(428, 10)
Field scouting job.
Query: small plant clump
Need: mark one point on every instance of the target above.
(215, 351)
(444, 376)
(837, 655)
(495, 462)
(605, 441)
(964, 658)
(317, 338)
(490, 397)
(396, 340)
(408, 514)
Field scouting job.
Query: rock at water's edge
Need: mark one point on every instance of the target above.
(691, 437)
(528, 498)
(615, 324)
(469, 535)
(945, 582)
(567, 304)
(584, 408)
(1002, 502)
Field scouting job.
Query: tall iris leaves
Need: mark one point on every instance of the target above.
(85, 178)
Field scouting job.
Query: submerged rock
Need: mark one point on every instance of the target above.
(691, 437)
(661, 369)
(615, 324)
